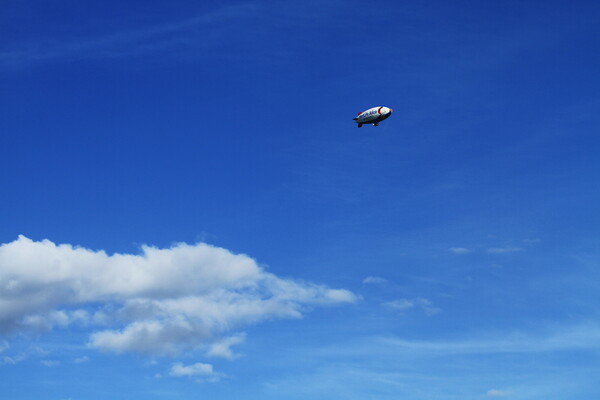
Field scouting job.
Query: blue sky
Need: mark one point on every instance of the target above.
(189, 211)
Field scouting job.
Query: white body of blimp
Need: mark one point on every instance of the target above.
(373, 116)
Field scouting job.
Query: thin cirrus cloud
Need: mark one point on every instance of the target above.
(459, 250)
(407, 304)
(505, 249)
(497, 393)
(192, 32)
(374, 280)
(159, 302)
(205, 31)
(22, 356)
(50, 363)
(490, 250)
(578, 337)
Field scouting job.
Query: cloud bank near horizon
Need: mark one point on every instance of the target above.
(159, 302)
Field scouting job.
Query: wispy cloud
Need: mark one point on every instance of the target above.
(400, 305)
(197, 32)
(497, 393)
(459, 250)
(567, 338)
(407, 304)
(222, 348)
(374, 280)
(50, 363)
(505, 249)
(200, 372)
(393, 367)
(13, 359)
(243, 24)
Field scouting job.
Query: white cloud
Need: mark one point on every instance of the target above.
(22, 356)
(506, 249)
(50, 363)
(6, 360)
(222, 348)
(578, 337)
(406, 304)
(179, 369)
(497, 393)
(81, 360)
(200, 372)
(459, 250)
(428, 306)
(161, 301)
(62, 318)
(402, 304)
(374, 280)
(4, 346)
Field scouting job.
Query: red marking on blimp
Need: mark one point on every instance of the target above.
(373, 116)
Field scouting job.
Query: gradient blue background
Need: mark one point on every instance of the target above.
(147, 122)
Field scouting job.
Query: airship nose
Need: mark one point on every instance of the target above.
(389, 110)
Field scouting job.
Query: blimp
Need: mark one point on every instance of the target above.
(373, 116)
